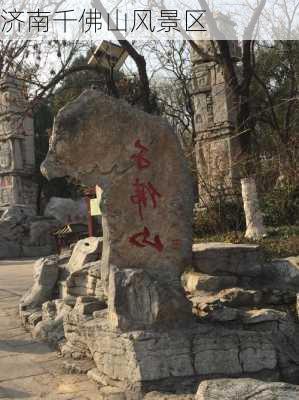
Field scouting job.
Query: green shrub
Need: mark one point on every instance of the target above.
(281, 206)
(219, 217)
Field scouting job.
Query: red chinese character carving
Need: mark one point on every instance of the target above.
(141, 193)
(176, 244)
(139, 158)
(141, 240)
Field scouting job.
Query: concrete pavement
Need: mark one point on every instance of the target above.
(29, 369)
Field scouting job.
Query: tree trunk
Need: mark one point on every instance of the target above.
(255, 228)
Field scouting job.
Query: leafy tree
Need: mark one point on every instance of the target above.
(70, 88)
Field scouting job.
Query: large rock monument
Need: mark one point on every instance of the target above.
(123, 305)
(146, 204)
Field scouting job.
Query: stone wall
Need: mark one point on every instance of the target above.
(23, 234)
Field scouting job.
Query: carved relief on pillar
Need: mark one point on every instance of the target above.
(6, 190)
(27, 191)
(17, 156)
(215, 117)
(13, 107)
(210, 111)
(5, 156)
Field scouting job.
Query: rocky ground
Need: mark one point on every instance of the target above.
(244, 325)
(30, 369)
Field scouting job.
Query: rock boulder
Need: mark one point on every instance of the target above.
(137, 301)
(147, 196)
(46, 272)
(227, 259)
(249, 389)
(86, 250)
(67, 210)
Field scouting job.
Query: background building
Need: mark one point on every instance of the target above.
(17, 159)
(217, 144)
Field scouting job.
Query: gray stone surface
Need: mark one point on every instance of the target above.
(18, 214)
(227, 259)
(143, 359)
(29, 369)
(221, 313)
(283, 273)
(137, 301)
(75, 347)
(195, 281)
(85, 251)
(263, 315)
(17, 155)
(217, 148)
(9, 249)
(165, 396)
(12, 228)
(137, 161)
(88, 305)
(45, 278)
(22, 234)
(41, 231)
(50, 328)
(85, 281)
(259, 342)
(45, 318)
(143, 340)
(226, 300)
(67, 210)
(249, 389)
(218, 313)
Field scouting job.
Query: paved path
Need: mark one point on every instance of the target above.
(28, 369)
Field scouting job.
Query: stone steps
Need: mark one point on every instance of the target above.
(231, 283)
(249, 389)
(197, 281)
(244, 326)
(245, 316)
(72, 366)
(235, 389)
(228, 259)
(239, 297)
